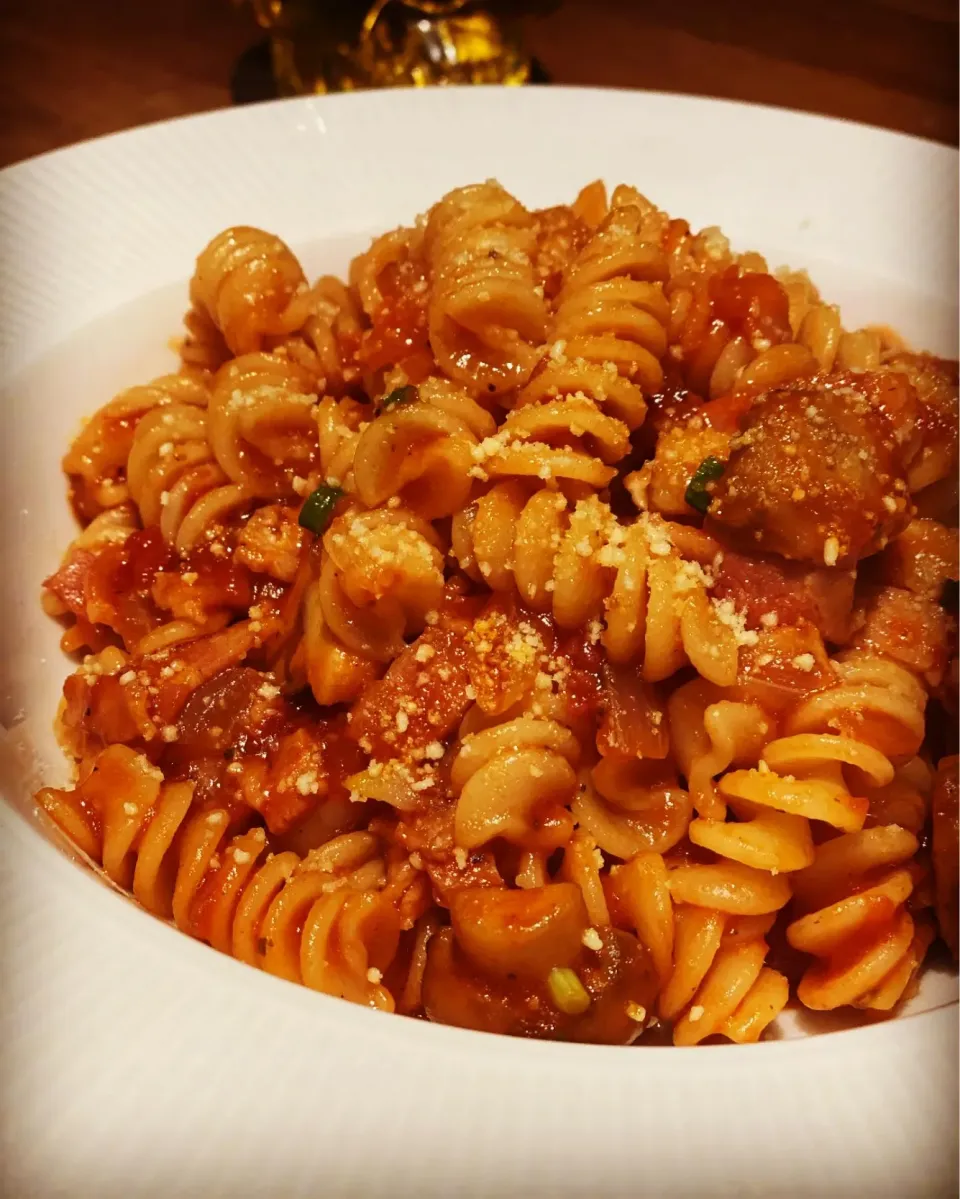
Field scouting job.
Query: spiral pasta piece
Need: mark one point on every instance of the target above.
(96, 462)
(419, 453)
(261, 423)
(568, 442)
(175, 479)
(704, 928)
(852, 888)
(375, 581)
(718, 360)
(799, 779)
(368, 270)
(326, 343)
(581, 565)
(339, 425)
(735, 325)
(610, 323)
(632, 807)
(876, 701)
(709, 734)
(323, 920)
(817, 326)
(381, 574)
(250, 286)
(487, 317)
(855, 921)
(515, 781)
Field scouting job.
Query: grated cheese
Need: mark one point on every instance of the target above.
(308, 783)
(735, 621)
(591, 939)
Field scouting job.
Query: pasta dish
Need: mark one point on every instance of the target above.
(550, 629)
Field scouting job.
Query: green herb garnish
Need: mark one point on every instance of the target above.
(318, 508)
(400, 395)
(697, 495)
(567, 991)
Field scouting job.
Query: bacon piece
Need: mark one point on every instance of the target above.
(792, 593)
(786, 664)
(68, 583)
(633, 724)
(421, 699)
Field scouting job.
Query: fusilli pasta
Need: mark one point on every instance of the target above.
(549, 629)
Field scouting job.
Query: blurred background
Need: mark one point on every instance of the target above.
(72, 69)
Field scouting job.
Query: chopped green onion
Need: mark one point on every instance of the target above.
(400, 395)
(697, 495)
(318, 508)
(567, 991)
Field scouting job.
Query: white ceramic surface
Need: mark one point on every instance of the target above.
(135, 1062)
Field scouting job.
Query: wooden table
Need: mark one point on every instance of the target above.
(72, 69)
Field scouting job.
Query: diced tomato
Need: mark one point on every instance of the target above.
(421, 699)
(581, 686)
(399, 327)
(297, 780)
(68, 584)
(726, 413)
(229, 712)
(97, 710)
(175, 675)
(429, 833)
(118, 584)
(785, 665)
(759, 587)
(753, 305)
(505, 650)
(205, 586)
(634, 723)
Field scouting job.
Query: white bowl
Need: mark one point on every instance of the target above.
(140, 1063)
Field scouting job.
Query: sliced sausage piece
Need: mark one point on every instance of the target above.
(817, 472)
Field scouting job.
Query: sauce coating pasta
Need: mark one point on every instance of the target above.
(549, 630)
